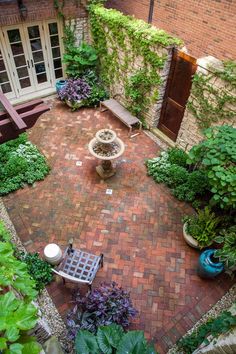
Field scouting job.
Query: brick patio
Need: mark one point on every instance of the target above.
(138, 227)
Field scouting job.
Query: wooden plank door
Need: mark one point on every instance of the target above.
(182, 69)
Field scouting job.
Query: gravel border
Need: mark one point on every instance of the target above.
(46, 305)
(224, 303)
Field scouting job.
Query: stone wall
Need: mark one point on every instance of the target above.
(81, 28)
(117, 87)
(130, 68)
(190, 133)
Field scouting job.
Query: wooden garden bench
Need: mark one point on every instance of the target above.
(16, 120)
(121, 113)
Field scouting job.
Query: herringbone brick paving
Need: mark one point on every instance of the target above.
(138, 227)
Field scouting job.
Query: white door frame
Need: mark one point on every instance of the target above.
(35, 90)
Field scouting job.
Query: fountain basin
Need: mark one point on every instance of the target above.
(106, 147)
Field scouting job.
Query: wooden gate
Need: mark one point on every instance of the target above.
(179, 83)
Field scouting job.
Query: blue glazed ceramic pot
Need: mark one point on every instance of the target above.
(60, 84)
(208, 266)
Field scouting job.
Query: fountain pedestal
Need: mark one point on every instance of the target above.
(105, 169)
(106, 147)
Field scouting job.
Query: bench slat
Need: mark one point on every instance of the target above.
(120, 111)
(14, 116)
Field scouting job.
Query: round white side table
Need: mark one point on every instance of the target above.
(52, 254)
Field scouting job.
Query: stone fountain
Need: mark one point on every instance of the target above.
(106, 146)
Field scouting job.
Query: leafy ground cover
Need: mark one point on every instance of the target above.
(17, 314)
(213, 328)
(205, 177)
(20, 163)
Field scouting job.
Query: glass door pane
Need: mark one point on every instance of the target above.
(21, 62)
(5, 82)
(55, 49)
(39, 62)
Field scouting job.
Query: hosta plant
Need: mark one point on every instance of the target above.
(227, 254)
(16, 318)
(112, 340)
(79, 59)
(14, 273)
(20, 163)
(202, 226)
(104, 305)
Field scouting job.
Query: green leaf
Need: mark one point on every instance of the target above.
(219, 239)
(31, 348)
(25, 317)
(132, 343)
(15, 348)
(108, 337)
(8, 302)
(12, 334)
(86, 343)
(3, 343)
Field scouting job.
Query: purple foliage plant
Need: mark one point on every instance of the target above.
(104, 305)
(75, 90)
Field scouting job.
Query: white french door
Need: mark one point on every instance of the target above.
(31, 58)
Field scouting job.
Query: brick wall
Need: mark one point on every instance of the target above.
(39, 10)
(208, 27)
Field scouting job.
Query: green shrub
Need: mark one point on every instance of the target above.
(202, 227)
(17, 315)
(214, 327)
(79, 59)
(177, 157)
(20, 163)
(4, 234)
(216, 155)
(195, 186)
(227, 254)
(112, 339)
(175, 175)
(38, 269)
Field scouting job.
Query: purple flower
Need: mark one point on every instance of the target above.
(75, 90)
(104, 305)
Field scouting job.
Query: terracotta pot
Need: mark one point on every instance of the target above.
(189, 239)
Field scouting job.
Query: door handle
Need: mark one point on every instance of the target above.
(32, 63)
(28, 64)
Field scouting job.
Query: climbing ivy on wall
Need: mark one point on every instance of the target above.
(213, 96)
(121, 42)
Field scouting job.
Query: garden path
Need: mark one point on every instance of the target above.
(138, 227)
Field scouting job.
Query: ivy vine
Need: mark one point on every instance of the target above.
(212, 103)
(121, 41)
(59, 5)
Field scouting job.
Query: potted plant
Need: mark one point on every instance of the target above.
(199, 230)
(60, 84)
(74, 93)
(227, 254)
(209, 266)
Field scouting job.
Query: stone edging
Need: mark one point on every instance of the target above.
(224, 303)
(46, 305)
